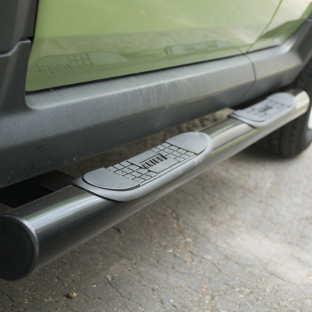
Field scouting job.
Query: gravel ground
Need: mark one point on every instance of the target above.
(237, 238)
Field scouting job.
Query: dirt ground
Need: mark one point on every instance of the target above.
(236, 238)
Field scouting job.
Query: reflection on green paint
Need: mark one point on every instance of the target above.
(79, 41)
(56, 70)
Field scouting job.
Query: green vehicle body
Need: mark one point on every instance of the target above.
(79, 41)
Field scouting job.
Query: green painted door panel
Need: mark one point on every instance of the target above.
(78, 41)
(288, 17)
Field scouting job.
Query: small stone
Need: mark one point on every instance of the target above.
(72, 295)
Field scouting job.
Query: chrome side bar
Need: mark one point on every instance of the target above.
(39, 232)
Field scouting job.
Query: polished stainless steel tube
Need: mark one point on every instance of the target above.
(43, 230)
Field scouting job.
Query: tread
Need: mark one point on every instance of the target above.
(293, 138)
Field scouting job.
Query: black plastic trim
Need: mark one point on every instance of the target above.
(17, 21)
(13, 69)
(59, 127)
(279, 66)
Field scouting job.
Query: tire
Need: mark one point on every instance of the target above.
(294, 137)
